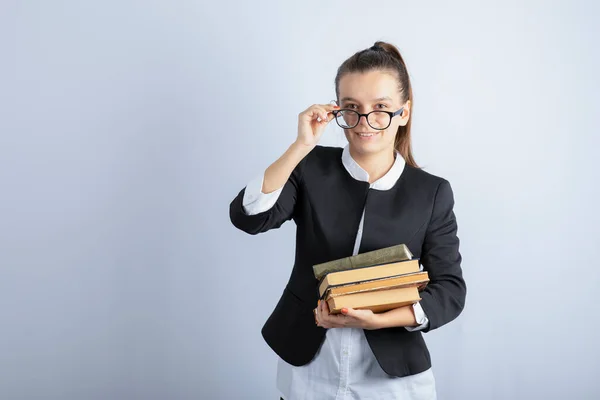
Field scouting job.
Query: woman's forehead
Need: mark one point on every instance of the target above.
(368, 86)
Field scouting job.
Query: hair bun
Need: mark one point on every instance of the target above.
(390, 49)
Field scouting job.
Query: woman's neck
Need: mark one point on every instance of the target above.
(376, 165)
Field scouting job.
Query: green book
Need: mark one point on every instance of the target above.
(385, 255)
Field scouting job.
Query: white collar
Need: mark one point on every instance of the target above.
(386, 182)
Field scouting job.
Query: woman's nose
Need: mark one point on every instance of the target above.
(362, 120)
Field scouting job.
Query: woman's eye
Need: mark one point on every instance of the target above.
(381, 106)
(351, 106)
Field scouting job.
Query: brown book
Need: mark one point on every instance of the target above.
(358, 275)
(377, 301)
(418, 279)
(385, 255)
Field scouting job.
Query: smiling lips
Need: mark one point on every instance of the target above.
(366, 135)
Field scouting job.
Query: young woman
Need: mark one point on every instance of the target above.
(369, 195)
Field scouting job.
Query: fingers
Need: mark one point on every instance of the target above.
(320, 318)
(319, 112)
(327, 107)
(330, 116)
(349, 312)
(319, 314)
(327, 320)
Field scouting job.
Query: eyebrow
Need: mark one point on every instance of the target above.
(386, 98)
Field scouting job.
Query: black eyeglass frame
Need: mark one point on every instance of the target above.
(390, 113)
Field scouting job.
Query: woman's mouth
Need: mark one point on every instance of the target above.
(366, 135)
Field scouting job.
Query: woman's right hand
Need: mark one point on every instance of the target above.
(312, 123)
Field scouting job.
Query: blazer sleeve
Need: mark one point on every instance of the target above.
(272, 218)
(255, 201)
(443, 299)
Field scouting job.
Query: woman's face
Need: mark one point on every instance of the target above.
(366, 92)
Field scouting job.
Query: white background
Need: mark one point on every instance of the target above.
(127, 127)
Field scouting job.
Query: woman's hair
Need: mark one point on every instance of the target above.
(384, 57)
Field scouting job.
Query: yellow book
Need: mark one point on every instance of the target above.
(357, 275)
(419, 279)
(377, 301)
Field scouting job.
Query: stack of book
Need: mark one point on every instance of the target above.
(378, 280)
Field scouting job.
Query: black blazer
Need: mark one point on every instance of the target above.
(326, 204)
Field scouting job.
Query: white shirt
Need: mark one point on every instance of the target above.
(345, 368)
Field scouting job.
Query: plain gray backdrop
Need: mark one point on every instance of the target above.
(127, 127)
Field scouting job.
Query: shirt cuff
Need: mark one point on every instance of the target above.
(421, 318)
(255, 201)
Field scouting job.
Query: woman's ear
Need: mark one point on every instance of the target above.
(406, 112)
(405, 116)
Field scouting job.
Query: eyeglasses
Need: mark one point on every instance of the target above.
(378, 119)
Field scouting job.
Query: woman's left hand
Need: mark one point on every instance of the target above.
(349, 318)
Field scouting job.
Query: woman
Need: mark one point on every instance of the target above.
(366, 196)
